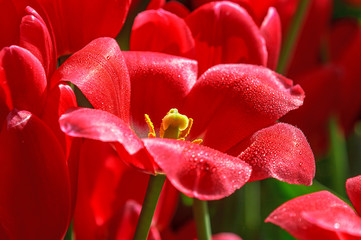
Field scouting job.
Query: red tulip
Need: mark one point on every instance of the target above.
(228, 103)
(35, 179)
(74, 23)
(321, 215)
(26, 76)
(215, 33)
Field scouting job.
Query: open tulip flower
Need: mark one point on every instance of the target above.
(231, 108)
(322, 215)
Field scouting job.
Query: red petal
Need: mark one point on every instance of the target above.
(9, 24)
(230, 102)
(198, 171)
(159, 82)
(105, 185)
(226, 236)
(60, 99)
(282, 152)
(34, 180)
(162, 31)
(99, 71)
(105, 127)
(291, 215)
(353, 188)
(5, 100)
(271, 31)
(76, 23)
(35, 37)
(225, 33)
(129, 220)
(166, 207)
(25, 78)
(100, 171)
(339, 220)
(177, 8)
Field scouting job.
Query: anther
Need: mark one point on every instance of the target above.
(151, 133)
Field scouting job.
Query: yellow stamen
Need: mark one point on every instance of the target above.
(184, 133)
(172, 124)
(197, 141)
(175, 119)
(151, 133)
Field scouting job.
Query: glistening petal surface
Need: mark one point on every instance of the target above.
(337, 220)
(232, 101)
(290, 215)
(106, 127)
(282, 152)
(196, 170)
(99, 71)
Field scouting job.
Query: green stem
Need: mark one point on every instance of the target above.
(201, 216)
(252, 209)
(154, 189)
(292, 35)
(338, 157)
(69, 234)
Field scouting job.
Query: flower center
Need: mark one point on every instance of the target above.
(174, 125)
